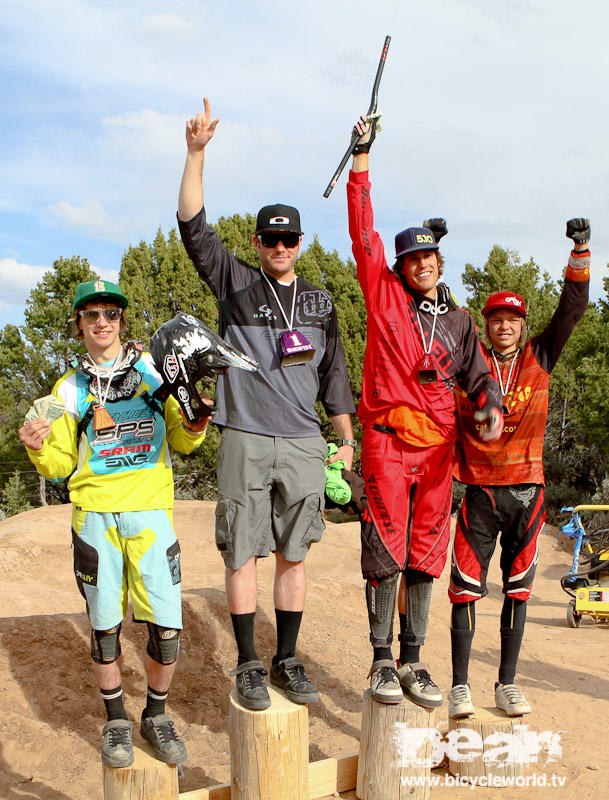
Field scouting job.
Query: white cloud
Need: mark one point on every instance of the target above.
(91, 218)
(164, 25)
(17, 279)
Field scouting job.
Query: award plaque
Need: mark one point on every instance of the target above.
(427, 370)
(295, 348)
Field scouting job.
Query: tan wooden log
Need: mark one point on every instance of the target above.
(487, 745)
(147, 778)
(326, 777)
(269, 750)
(395, 751)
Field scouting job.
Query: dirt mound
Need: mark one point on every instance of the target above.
(53, 715)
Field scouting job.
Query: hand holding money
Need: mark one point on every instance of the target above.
(38, 419)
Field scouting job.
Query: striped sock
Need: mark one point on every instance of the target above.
(155, 704)
(113, 700)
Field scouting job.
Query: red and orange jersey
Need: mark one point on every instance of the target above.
(517, 457)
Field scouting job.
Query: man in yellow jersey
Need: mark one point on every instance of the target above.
(113, 440)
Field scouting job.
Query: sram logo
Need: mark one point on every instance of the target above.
(136, 427)
(122, 451)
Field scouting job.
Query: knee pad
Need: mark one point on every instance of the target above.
(105, 645)
(163, 643)
(380, 599)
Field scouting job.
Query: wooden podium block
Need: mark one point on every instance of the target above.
(269, 750)
(395, 751)
(489, 745)
(146, 779)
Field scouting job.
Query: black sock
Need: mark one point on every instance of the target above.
(513, 617)
(113, 700)
(155, 702)
(463, 627)
(461, 648)
(382, 654)
(288, 625)
(243, 625)
(409, 653)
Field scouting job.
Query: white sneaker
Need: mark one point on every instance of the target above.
(418, 685)
(510, 699)
(384, 682)
(460, 702)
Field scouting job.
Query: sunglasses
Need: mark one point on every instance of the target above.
(289, 240)
(93, 314)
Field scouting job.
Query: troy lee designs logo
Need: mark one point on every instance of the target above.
(171, 367)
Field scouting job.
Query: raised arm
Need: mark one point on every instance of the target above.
(199, 130)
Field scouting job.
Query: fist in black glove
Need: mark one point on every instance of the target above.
(366, 133)
(437, 226)
(578, 229)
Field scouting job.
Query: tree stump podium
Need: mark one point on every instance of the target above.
(395, 754)
(146, 779)
(269, 750)
(488, 745)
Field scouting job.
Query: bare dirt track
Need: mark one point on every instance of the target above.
(52, 715)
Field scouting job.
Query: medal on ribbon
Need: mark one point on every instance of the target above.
(427, 370)
(295, 347)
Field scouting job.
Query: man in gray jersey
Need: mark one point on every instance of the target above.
(271, 458)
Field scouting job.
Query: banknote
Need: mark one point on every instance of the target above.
(48, 407)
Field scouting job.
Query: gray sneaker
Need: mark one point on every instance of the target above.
(160, 731)
(117, 743)
(460, 702)
(510, 699)
(384, 682)
(418, 685)
(251, 688)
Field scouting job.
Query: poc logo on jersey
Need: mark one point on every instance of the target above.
(425, 238)
(170, 367)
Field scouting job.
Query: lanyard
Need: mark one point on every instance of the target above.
(289, 322)
(504, 391)
(102, 400)
(427, 350)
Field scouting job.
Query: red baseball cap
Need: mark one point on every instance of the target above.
(505, 301)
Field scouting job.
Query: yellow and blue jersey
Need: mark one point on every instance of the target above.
(126, 467)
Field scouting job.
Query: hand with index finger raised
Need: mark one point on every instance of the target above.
(200, 129)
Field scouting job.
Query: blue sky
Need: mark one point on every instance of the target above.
(495, 116)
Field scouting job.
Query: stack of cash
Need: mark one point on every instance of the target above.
(48, 407)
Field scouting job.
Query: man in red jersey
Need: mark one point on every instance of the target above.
(419, 344)
(505, 479)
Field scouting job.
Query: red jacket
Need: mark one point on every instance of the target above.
(394, 348)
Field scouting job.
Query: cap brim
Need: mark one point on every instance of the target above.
(505, 307)
(417, 249)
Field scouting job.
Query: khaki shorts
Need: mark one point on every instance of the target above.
(270, 496)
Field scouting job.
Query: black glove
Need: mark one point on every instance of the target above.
(365, 146)
(578, 229)
(437, 225)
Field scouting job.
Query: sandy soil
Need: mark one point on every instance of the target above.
(52, 713)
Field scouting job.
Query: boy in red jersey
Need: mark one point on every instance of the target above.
(505, 480)
(419, 344)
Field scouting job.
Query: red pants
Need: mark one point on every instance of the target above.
(409, 493)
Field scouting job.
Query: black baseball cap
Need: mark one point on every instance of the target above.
(278, 218)
(413, 239)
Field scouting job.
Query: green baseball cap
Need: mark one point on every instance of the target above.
(98, 290)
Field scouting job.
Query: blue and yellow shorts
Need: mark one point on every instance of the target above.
(133, 552)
